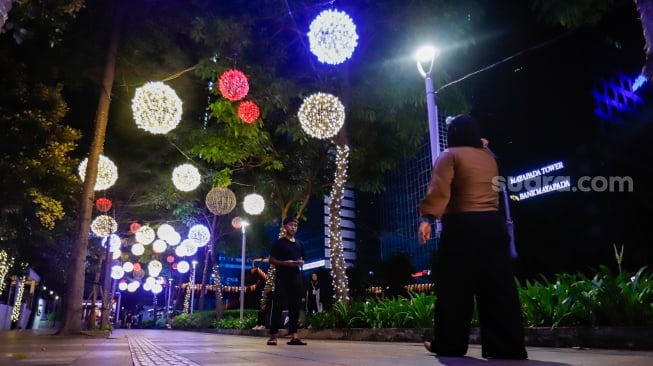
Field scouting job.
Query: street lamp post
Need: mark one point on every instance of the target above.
(192, 290)
(168, 301)
(242, 269)
(427, 55)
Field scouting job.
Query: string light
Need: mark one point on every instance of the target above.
(107, 173)
(338, 265)
(15, 312)
(321, 115)
(248, 111)
(104, 226)
(332, 37)
(5, 265)
(233, 85)
(156, 108)
(186, 177)
(253, 204)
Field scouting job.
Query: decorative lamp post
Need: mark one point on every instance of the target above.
(243, 225)
(426, 55)
(192, 290)
(170, 287)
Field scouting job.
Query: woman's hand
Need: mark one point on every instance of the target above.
(424, 233)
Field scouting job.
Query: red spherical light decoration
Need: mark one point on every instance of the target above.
(103, 204)
(248, 111)
(137, 267)
(170, 259)
(133, 228)
(174, 266)
(233, 85)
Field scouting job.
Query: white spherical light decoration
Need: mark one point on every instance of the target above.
(107, 173)
(173, 239)
(186, 177)
(321, 115)
(164, 231)
(145, 235)
(154, 268)
(133, 286)
(156, 108)
(104, 226)
(138, 249)
(159, 246)
(200, 234)
(183, 267)
(117, 272)
(254, 204)
(122, 286)
(332, 37)
(157, 288)
(128, 266)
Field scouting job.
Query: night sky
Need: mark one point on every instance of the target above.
(538, 108)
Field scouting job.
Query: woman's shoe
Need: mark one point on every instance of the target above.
(296, 342)
(272, 342)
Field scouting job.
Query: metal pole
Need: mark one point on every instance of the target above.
(242, 274)
(169, 295)
(117, 319)
(432, 109)
(192, 289)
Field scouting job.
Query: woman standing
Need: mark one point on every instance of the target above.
(473, 259)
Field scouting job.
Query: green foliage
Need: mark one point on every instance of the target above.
(574, 299)
(571, 13)
(197, 320)
(231, 319)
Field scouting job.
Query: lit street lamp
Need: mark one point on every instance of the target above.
(243, 225)
(168, 301)
(426, 55)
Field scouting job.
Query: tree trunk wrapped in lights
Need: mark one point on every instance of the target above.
(338, 268)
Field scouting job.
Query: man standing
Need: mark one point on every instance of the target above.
(287, 255)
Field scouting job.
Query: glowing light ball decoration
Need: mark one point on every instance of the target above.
(248, 111)
(107, 173)
(233, 85)
(254, 204)
(128, 266)
(332, 37)
(237, 222)
(165, 231)
(138, 249)
(104, 226)
(220, 200)
(159, 246)
(103, 204)
(154, 268)
(183, 267)
(133, 228)
(156, 108)
(122, 286)
(145, 235)
(117, 272)
(321, 115)
(137, 267)
(200, 234)
(186, 177)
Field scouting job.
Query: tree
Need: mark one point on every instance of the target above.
(576, 13)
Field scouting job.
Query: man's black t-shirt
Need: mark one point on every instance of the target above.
(283, 250)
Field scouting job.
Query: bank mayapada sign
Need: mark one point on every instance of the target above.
(534, 183)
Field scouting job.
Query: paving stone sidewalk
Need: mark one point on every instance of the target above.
(170, 347)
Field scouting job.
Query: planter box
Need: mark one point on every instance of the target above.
(636, 338)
